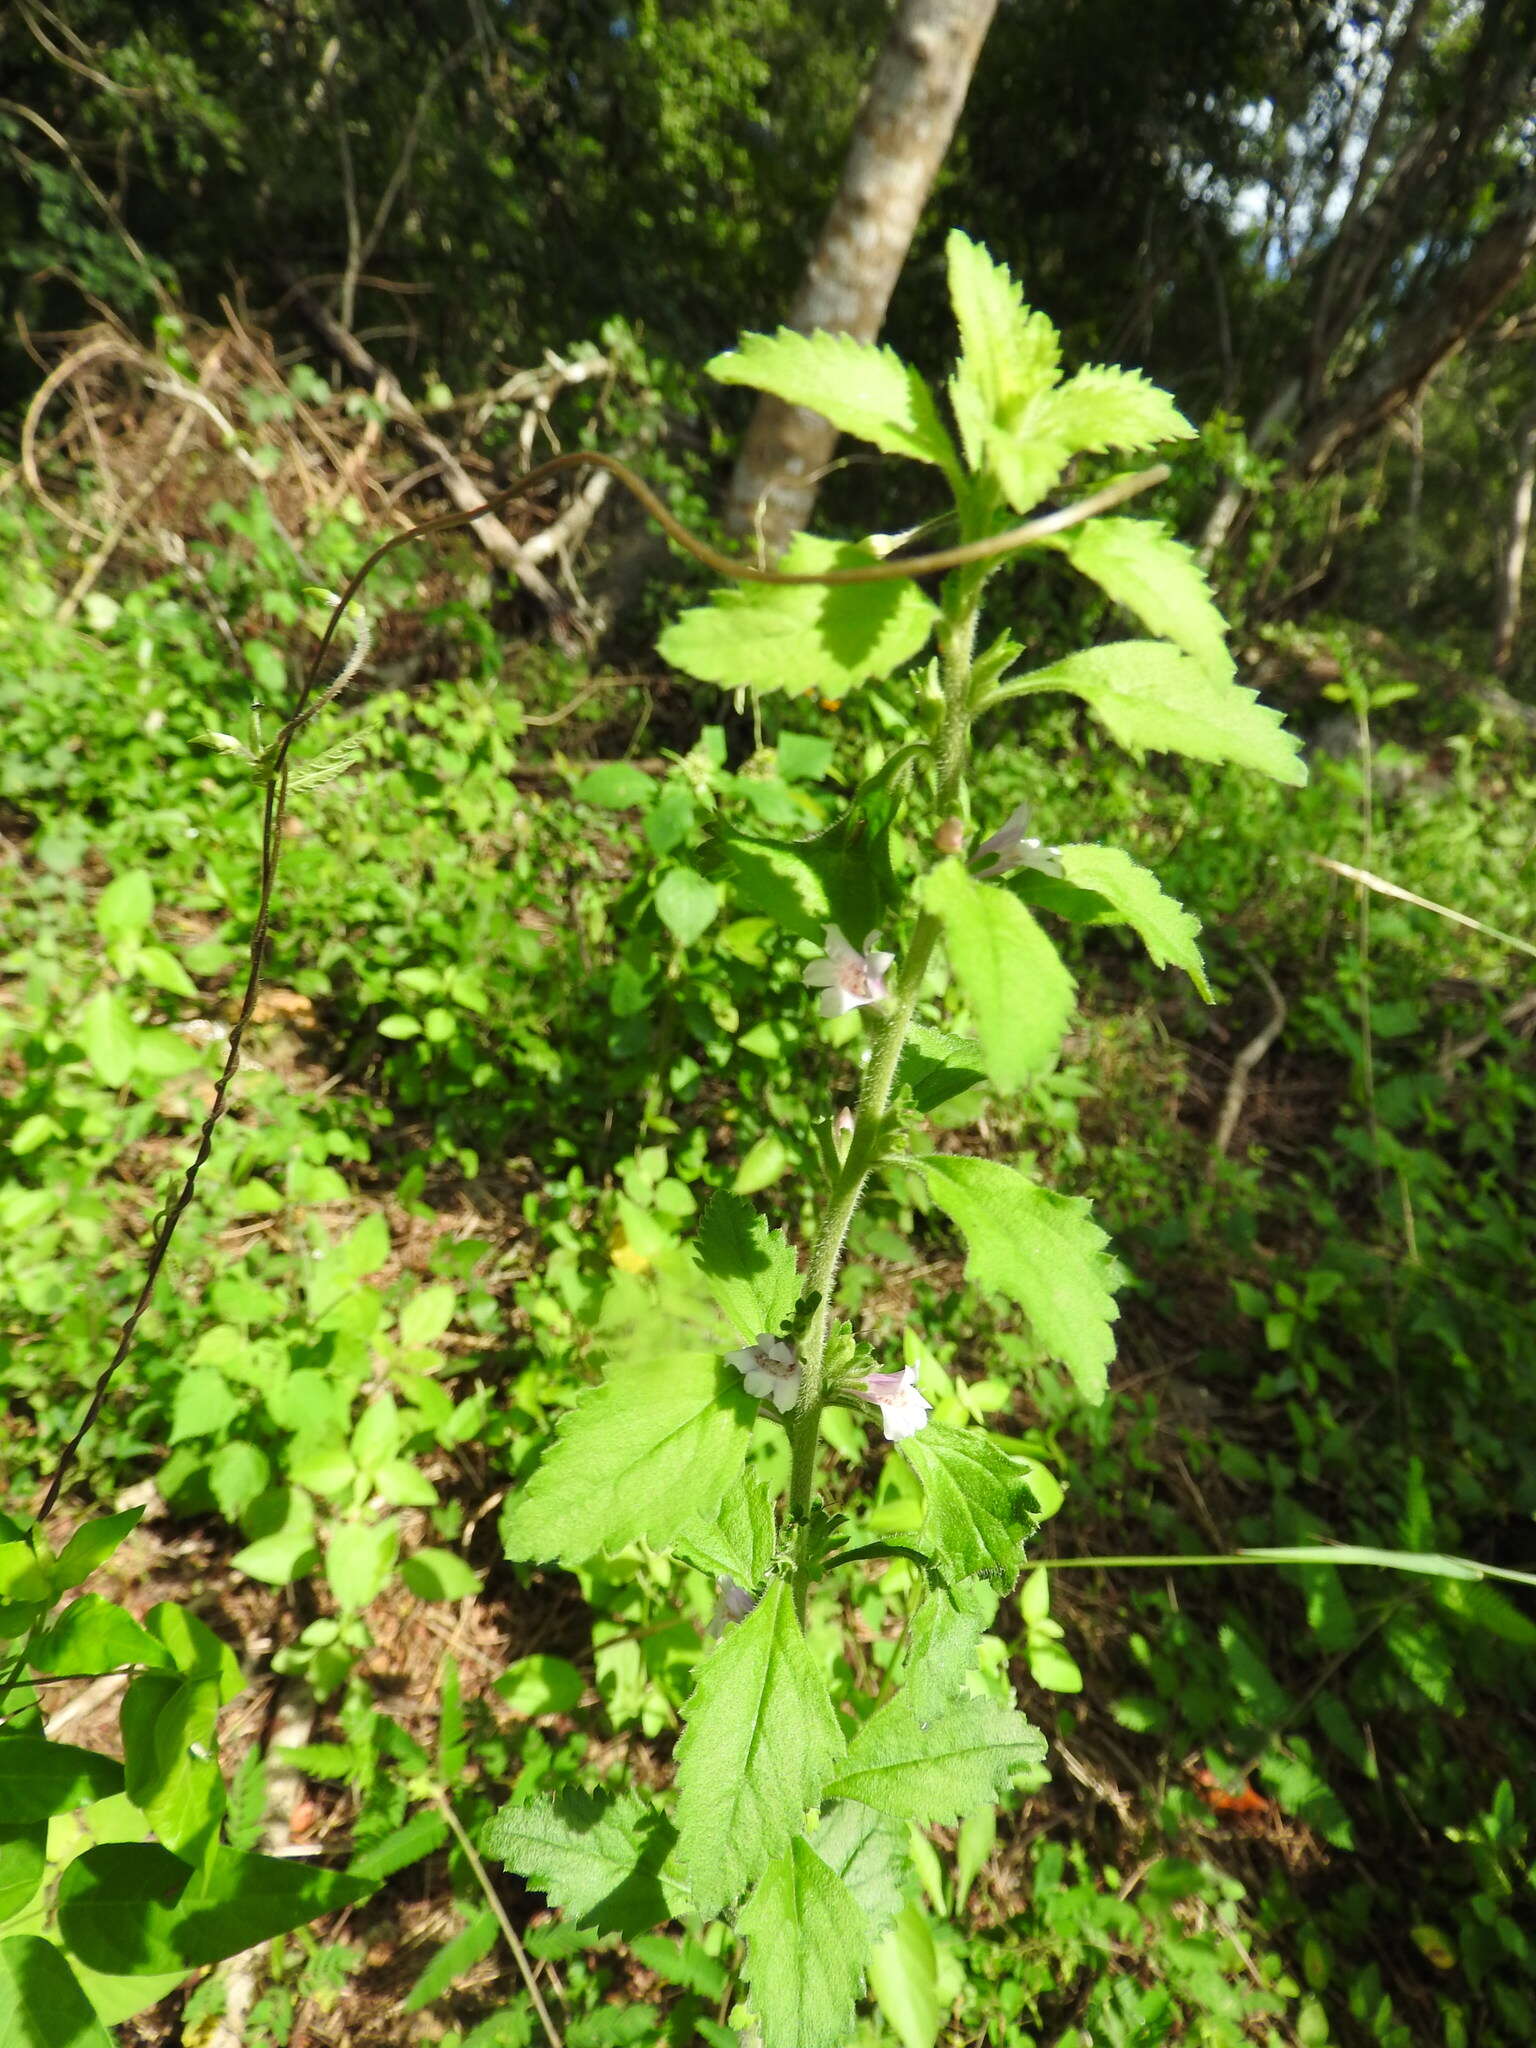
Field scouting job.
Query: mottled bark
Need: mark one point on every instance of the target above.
(904, 127)
(1506, 603)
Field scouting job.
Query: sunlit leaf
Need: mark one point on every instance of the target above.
(861, 388)
(1164, 926)
(760, 1743)
(1042, 1250)
(828, 638)
(806, 1942)
(642, 1455)
(1152, 696)
(1018, 992)
(935, 1771)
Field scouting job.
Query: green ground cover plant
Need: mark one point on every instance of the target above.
(590, 997)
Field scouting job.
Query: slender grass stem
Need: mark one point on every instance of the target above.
(499, 1912)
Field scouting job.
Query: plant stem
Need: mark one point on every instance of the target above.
(865, 1144)
(499, 1911)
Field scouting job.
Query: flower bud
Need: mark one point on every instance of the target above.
(950, 837)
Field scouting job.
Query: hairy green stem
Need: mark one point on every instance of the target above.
(866, 1143)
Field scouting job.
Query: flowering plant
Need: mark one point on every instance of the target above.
(796, 1790)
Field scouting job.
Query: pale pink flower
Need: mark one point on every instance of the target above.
(732, 1603)
(903, 1411)
(769, 1370)
(847, 977)
(1011, 847)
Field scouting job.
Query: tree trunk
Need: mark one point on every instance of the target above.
(1274, 420)
(904, 127)
(1424, 340)
(1506, 603)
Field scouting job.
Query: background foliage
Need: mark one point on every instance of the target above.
(519, 1025)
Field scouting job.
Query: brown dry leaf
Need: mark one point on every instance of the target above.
(286, 1006)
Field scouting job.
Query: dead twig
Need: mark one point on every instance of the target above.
(1383, 887)
(112, 539)
(1521, 1011)
(57, 377)
(1241, 1077)
(493, 534)
(493, 1900)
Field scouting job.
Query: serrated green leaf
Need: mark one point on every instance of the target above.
(806, 1942)
(1103, 407)
(935, 1772)
(842, 876)
(978, 1509)
(1149, 695)
(941, 1649)
(867, 1852)
(761, 1741)
(936, 1066)
(596, 1858)
(776, 877)
(41, 2002)
(863, 389)
(1003, 390)
(828, 638)
(1139, 564)
(904, 1979)
(1010, 357)
(1017, 990)
(1164, 926)
(642, 1455)
(750, 1269)
(1043, 1251)
(737, 1541)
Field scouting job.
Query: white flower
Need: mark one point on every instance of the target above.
(732, 1603)
(846, 977)
(903, 1411)
(1011, 847)
(769, 1370)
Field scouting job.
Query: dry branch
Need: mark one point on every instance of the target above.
(1241, 1077)
(493, 534)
